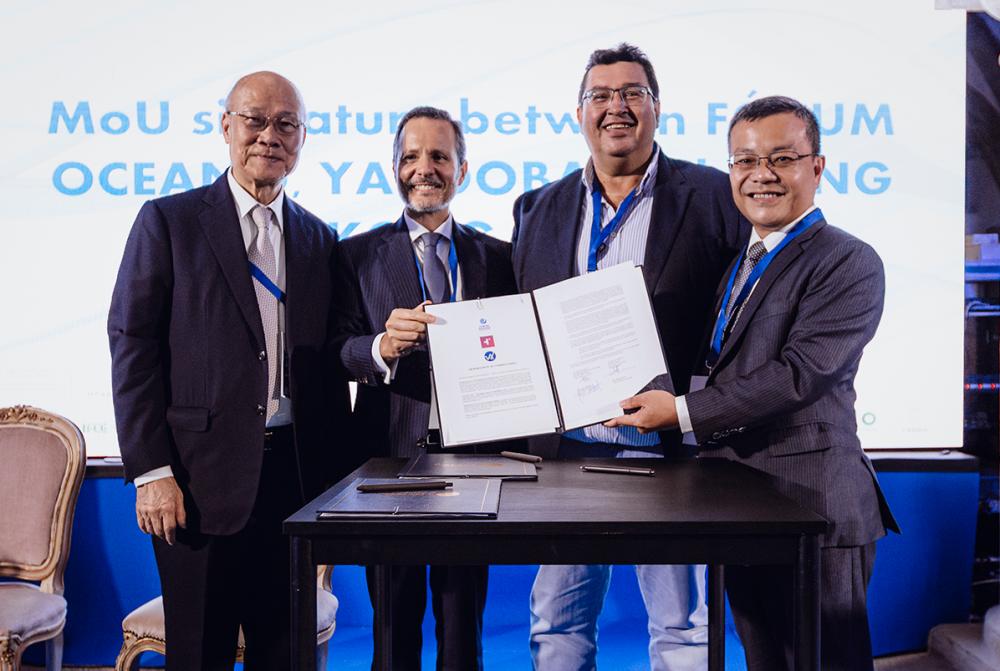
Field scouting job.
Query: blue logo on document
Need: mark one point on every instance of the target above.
(490, 356)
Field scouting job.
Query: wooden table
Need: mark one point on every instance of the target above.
(695, 511)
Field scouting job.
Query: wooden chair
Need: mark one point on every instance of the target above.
(142, 629)
(42, 461)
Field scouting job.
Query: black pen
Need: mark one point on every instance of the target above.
(407, 486)
(625, 470)
(517, 456)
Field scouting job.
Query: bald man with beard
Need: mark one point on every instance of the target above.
(226, 402)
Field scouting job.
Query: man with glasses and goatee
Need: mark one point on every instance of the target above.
(631, 203)
(228, 408)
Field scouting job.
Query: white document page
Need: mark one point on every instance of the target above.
(601, 340)
(489, 370)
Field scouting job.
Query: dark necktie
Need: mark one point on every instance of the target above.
(435, 276)
(754, 255)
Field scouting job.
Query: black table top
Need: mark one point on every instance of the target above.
(691, 497)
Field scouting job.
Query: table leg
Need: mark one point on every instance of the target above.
(383, 617)
(806, 629)
(303, 605)
(716, 617)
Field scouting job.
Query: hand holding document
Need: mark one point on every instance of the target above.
(559, 358)
(653, 410)
(404, 331)
(602, 341)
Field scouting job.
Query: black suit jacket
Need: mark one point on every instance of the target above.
(781, 396)
(693, 233)
(379, 274)
(189, 381)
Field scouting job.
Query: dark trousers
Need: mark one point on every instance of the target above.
(458, 598)
(214, 584)
(761, 599)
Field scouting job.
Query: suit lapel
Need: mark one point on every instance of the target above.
(222, 229)
(471, 262)
(564, 217)
(670, 199)
(395, 251)
(296, 268)
(785, 258)
(710, 326)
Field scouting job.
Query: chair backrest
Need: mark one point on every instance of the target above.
(42, 461)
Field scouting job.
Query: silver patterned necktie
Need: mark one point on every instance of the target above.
(754, 255)
(435, 276)
(261, 254)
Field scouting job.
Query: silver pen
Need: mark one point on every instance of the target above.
(625, 470)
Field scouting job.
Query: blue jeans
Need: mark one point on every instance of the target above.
(567, 600)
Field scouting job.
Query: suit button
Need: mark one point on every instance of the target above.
(716, 435)
(261, 409)
(261, 355)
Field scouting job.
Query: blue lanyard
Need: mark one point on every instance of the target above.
(722, 320)
(452, 265)
(259, 275)
(599, 236)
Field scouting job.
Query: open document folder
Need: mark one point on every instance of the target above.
(556, 359)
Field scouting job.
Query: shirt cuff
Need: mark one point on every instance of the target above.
(683, 418)
(388, 371)
(155, 474)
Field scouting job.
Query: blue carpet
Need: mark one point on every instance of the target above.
(622, 642)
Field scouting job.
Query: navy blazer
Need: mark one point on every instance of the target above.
(379, 273)
(694, 231)
(781, 396)
(189, 373)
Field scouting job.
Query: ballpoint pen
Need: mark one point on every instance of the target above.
(623, 470)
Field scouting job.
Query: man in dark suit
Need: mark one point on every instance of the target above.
(226, 399)
(389, 275)
(793, 316)
(630, 204)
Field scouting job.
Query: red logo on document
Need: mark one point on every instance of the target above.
(486, 342)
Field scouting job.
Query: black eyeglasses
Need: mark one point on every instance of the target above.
(285, 125)
(633, 96)
(777, 160)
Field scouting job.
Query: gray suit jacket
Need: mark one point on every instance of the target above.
(781, 396)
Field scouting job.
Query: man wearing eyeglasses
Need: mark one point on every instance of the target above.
(793, 314)
(226, 401)
(631, 203)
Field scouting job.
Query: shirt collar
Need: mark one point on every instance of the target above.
(245, 202)
(775, 237)
(646, 183)
(417, 229)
